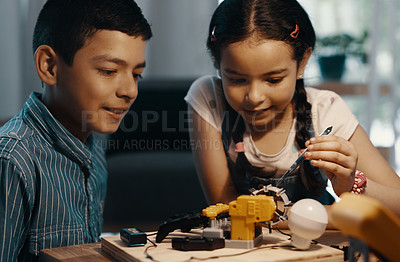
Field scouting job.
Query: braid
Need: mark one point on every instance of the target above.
(308, 174)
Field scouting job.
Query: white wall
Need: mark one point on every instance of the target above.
(10, 62)
(177, 49)
(17, 72)
(178, 46)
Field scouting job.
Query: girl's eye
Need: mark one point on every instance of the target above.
(275, 80)
(237, 81)
(107, 72)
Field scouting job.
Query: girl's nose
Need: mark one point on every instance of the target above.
(255, 94)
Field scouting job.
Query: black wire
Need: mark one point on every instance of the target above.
(147, 253)
(283, 233)
(286, 234)
(228, 255)
(154, 244)
(245, 252)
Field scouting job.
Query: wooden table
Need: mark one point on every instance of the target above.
(114, 250)
(85, 253)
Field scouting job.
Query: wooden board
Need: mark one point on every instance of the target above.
(275, 247)
(82, 253)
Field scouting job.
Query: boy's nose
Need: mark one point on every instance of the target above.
(128, 89)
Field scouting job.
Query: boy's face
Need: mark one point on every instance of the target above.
(95, 93)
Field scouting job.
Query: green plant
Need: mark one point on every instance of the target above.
(343, 44)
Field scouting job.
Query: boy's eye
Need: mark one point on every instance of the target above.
(107, 72)
(137, 76)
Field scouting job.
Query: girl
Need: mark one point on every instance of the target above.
(251, 122)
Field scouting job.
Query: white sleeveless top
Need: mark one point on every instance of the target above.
(206, 97)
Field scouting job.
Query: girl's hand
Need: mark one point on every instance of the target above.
(337, 156)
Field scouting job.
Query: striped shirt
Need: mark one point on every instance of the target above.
(52, 185)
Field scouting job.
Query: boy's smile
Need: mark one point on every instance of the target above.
(96, 92)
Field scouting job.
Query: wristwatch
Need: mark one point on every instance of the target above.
(360, 182)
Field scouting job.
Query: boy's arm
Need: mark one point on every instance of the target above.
(15, 211)
(211, 163)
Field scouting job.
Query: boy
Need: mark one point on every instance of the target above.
(89, 55)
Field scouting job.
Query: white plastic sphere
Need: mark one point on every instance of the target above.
(307, 221)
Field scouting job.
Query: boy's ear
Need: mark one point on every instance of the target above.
(46, 64)
(304, 62)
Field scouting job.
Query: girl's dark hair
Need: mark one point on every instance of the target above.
(237, 20)
(64, 25)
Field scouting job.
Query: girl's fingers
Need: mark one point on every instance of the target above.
(321, 139)
(332, 167)
(344, 148)
(337, 156)
(333, 157)
(331, 144)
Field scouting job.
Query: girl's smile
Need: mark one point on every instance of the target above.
(256, 113)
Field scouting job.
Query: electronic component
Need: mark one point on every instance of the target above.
(191, 244)
(235, 223)
(184, 222)
(213, 211)
(245, 211)
(133, 237)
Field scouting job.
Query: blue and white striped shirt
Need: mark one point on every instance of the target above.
(52, 185)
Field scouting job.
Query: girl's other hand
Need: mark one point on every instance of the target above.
(337, 156)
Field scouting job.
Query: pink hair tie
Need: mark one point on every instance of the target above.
(213, 37)
(239, 148)
(295, 33)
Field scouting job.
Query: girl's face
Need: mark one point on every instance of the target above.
(259, 80)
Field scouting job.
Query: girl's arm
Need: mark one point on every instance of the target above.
(382, 181)
(211, 163)
(340, 158)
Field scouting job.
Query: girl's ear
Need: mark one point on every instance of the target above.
(304, 62)
(46, 64)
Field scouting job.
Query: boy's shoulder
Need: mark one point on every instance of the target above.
(16, 139)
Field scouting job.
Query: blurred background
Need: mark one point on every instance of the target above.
(360, 37)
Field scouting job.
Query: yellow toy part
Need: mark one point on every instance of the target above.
(245, 211)
(367, 219)
(214, 210)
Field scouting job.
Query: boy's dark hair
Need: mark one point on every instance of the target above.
(64, 25)
(238, 20)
